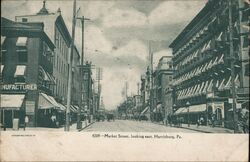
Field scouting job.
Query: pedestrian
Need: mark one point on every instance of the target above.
(198, 122)
(201, 120)
(53, 119)
(26, 121)
(213, 120)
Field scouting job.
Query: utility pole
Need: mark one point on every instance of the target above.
(70, 69)
(232, 62)
(138, 88)
(151, 79)
(81, 74)
(98, 78)
(126, 96)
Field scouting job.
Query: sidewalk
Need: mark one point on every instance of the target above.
(206, 129)
(202, 128)
(73, 128)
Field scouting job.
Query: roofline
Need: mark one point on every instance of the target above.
(34, 15)
(60, 19)
(27, 28)
(186, 30)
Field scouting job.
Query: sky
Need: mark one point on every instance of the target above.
(117, 36)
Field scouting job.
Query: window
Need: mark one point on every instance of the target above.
(247, 70)
(24, 20)
(245, 41)
(22, 56)
(2, 56)
(170, 78)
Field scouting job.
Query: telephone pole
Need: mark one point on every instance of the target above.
(151, 79)
(81, 74)
(98, 78)
(232, 62)
(70, 69)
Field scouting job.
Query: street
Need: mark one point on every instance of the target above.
(132, 126)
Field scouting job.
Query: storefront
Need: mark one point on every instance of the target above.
(191, 114)
(48, 107)
(12, 107)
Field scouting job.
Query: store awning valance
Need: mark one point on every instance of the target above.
(47, 102)
(145, 110)
(11, 101)
(21, 41)
(20, 70)
(197, 108)
(192, 109)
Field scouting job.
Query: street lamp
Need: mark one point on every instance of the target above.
(188, 104)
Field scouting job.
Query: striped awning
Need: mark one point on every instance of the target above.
(21, 41)
(11, 101)
(2, 39)
(20, 70)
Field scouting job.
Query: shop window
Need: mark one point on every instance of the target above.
(2, 56)
(245, 41)
(20, 79)
(22, 56)
(24, 20)
(247, 70)
(170, 78)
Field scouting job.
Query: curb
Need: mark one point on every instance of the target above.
(85, 127)
(203, 131)
(195, 130)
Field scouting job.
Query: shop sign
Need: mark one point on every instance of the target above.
(30, 108)
(18, 87)
(230, 100)
(210, 95)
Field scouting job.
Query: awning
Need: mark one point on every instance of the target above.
(21, 41)
(192, 109)
(47, 102)
(180, 110)
(197, 108)
(221, 61)
(2, 39)
(73, 109)
(2, 66)
(20, 70)
(145, 110)
(11, 101)
(46, 76)
(219, 37)
(62, 107)
(76, 107)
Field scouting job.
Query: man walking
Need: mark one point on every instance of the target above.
(26, 121)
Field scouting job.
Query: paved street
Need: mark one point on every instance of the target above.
(132, 126)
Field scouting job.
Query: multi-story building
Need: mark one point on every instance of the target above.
(145, 93)
(201, 60)
(55, 28)
(88, 89)
(162, 77)
(27, 74)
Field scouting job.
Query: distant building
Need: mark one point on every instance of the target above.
(27, 74)
(88, 88)
(162, 77)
